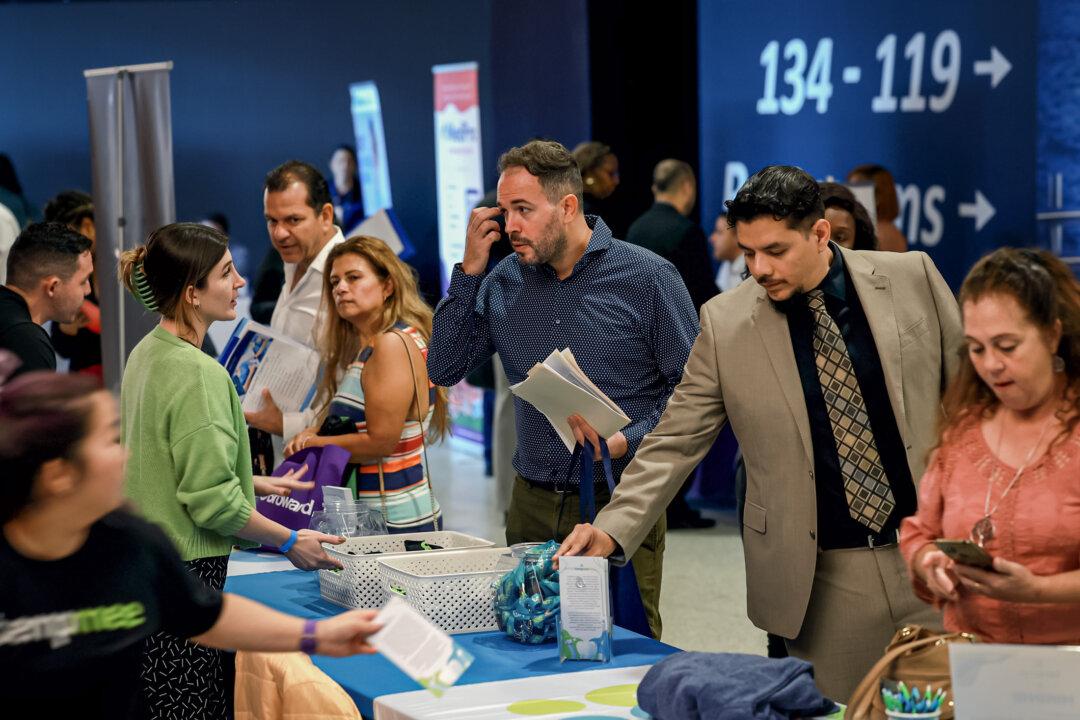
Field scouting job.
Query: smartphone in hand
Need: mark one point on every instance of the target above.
(966, 552)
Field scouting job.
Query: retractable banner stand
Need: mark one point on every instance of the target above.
(131, 155)
(459, 171)
(373, 167)
(943, 94)
(460, 181)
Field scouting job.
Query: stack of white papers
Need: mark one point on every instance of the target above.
(558, 388)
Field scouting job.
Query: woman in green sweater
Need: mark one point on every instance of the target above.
(190, 467)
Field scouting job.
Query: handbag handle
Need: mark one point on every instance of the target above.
(865, 692)
(423, 441)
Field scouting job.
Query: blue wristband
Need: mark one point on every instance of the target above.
(287, 545)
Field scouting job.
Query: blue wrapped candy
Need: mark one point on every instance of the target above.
(527, 597)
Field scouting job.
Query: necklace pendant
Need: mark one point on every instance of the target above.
(983, 530)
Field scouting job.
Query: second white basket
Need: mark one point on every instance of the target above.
(453, 589)
(359, 584)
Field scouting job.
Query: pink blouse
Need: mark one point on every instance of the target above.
(1037, 524)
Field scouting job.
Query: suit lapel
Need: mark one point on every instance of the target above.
(773, 328)
(875, 294)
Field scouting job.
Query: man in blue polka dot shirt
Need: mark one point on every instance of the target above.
(622, 310)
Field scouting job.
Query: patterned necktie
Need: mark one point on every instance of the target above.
(870, 499)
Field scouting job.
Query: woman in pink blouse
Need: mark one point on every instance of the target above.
(1006, 473)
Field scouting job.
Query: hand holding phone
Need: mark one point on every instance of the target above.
(966, 552)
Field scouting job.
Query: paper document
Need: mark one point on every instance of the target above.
(257, 357)
(383, 225)
(558, 388)
(585, 622)
(418, 648)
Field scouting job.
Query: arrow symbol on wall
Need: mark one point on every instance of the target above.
(981, 210)
(997, 67)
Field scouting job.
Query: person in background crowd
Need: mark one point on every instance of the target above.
(600, 176)
(830, 369)
(266, 287)
(889, 236)
(345, 191)
(300, 221)
(49, 269)
(190, 466)
(851, 226)
(12, 196)
(1005, 471)
(624, 312)
(79, 341)
(84, 582)
(9, 233)
(377, 400)
(726, 251)
(667, 231)
(218, 221)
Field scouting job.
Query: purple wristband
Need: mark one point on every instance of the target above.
(307, 640)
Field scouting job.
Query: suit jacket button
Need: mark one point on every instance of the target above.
(813, 535)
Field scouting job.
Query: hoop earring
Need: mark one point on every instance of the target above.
(1059, 364)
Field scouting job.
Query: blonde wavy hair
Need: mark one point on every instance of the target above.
(340, 342)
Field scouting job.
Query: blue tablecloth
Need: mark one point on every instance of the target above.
(369, 676)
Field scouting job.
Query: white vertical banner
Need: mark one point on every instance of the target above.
(459, 172)
(373, 168)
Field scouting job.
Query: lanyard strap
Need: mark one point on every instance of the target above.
(585, 488)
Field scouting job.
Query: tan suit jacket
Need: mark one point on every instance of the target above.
(742, 370)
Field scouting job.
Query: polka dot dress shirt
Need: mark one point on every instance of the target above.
(624, 312)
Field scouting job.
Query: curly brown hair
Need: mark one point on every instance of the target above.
(1047, 291)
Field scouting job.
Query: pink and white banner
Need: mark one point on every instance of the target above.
(459, 173)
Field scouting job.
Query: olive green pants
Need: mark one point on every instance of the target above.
(537, 515)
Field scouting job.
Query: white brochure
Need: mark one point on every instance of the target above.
(418, 648)
(585, 623)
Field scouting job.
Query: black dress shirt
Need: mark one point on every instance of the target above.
(680, 241)
(836, 527)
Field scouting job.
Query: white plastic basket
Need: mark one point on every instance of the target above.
(452, 589)
(358, 584)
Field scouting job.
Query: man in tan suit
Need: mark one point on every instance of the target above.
(830, 369)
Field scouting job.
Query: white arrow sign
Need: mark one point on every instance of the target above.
(981, 210)
(997, 67)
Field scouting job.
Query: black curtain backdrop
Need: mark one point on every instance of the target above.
(644, 89)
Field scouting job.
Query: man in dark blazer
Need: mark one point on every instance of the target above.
(667, 231)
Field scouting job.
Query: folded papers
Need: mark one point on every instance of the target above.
(558, 388)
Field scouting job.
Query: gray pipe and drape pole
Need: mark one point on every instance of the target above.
(131, 155)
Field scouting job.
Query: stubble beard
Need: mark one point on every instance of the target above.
(551, 245)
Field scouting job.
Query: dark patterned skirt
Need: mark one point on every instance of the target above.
(184, 681)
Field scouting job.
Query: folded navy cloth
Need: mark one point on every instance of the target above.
(731, 686)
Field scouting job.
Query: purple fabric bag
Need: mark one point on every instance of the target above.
(326, 466)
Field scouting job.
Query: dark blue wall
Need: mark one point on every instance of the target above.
(257, 82)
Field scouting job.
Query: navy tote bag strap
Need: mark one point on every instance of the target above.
(625, 595)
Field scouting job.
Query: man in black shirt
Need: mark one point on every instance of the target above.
(667, 231)
(48, 277)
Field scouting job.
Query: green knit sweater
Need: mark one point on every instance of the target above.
(189, 465)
